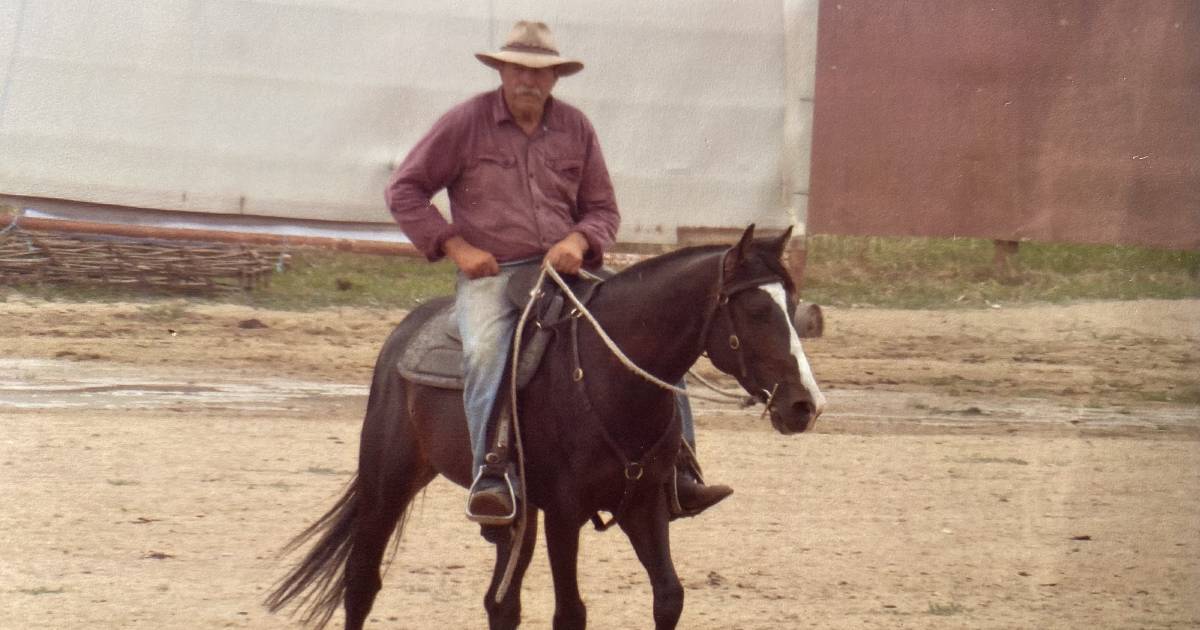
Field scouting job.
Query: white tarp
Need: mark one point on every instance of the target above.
(301, 108)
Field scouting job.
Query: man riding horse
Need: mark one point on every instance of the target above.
(527, 183)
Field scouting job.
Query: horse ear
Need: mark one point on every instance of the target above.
(780, 245)
(739, 252)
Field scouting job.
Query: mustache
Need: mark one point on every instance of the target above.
(529, 91)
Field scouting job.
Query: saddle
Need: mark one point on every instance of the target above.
(434, 355)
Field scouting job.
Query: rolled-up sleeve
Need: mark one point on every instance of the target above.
(432, 165)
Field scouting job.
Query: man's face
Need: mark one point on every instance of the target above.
(526, 89)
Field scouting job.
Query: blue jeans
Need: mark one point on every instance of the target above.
(486, 322)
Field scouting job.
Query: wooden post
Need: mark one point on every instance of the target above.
(1002, 260)
(795, 258)
(810, 321)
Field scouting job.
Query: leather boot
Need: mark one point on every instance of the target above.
(691, 496)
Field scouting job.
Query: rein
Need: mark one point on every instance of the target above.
(723, 295)
(633, 470)
(722, 299)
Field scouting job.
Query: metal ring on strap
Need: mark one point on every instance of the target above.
(634, 471)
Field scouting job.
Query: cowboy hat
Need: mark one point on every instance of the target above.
(531, 44)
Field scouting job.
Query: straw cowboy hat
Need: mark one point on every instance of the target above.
(531, 44)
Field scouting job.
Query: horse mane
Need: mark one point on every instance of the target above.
(669, 259)
(763, 253)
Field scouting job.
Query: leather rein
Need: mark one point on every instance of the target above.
(634, 470)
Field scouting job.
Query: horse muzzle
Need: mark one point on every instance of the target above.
(794, 410)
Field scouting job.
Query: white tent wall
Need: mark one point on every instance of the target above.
(299, 109)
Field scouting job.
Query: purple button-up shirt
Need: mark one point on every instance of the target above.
(511, 194)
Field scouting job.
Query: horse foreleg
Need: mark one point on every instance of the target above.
(562, 546)
(506, 613)
(647, 528)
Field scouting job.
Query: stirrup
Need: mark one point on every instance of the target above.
(685, 458)
(674, 509)
(490, 519)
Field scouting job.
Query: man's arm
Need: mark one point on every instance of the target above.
(597, 203)
(472, 261)
(430, 166)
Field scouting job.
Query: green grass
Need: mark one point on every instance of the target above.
(946, 610)
(163, 312)
(940, 273)
(841, 271)
(316, 279)
(1188, 394)
(42, 590)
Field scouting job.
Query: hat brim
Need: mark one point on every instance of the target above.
(563, 66)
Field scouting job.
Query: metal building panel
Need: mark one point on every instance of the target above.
(1053, 121)
(301, 108)
(235, 107)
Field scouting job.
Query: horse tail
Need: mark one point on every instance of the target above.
(318, 583)
(353, 534)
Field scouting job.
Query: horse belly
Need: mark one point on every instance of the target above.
(438, 417)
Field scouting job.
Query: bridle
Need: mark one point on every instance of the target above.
(721, 310)
(633, 470)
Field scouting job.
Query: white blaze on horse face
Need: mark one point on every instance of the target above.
(777, 293)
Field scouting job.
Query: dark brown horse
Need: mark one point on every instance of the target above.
(735, 304)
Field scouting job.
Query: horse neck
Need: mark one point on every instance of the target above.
(657, 313)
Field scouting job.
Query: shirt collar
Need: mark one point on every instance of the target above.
(500, 113)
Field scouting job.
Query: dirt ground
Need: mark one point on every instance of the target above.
(1032, 467)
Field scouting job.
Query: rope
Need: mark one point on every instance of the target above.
(522, 520)
(625, 360)
(734, 394)
(514, 552)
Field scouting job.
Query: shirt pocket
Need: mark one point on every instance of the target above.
(490, 161)
(565, 174)
(489, 176)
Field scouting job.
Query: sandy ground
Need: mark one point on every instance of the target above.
(1031, 467)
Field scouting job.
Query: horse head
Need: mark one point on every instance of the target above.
(753, 337)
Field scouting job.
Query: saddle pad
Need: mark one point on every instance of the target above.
(434, 356)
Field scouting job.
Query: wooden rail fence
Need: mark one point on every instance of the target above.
(52, 257)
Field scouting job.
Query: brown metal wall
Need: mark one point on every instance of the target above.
(1011, 119)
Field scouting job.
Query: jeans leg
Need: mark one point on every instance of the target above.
(486, 320)
(686, 422)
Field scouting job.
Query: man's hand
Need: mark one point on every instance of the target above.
(567, 255)
(472, 261)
